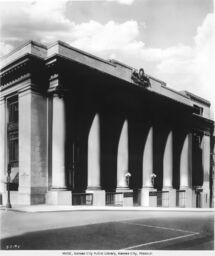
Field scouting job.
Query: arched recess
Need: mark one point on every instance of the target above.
(178, 141)
(138, 130)
(110, 129)
(160, 134)
(80, 120)
(197, 159)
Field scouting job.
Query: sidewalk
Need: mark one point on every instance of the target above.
(63, 208)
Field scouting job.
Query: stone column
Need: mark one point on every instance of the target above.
(58, 193)
(122, 166)
(32, 147)
(2, 146)
(213, 169)
(147, 171)
(58, 143)
(25, 108)
(205, 145)
(168, 170)
(186, 169)
(93, 160)
(122, 158)
(148, 160)
(93, 163)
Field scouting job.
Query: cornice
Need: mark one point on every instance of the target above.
(19, 87)
(196, 98)
(62, 45)
(42, 63)
(28, 66)
(13, 71)
(15, 81)
(29, 47)
(23, 60)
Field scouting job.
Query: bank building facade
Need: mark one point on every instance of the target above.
(76, 129)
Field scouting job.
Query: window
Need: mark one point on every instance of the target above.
(13, 111)
(198, 110)
(13, 131)
(13, 142)
(13, 148)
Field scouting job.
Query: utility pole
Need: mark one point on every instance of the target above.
(8, 205)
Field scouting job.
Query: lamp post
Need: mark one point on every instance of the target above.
(127, 177)
(8, 205)
(153, 176)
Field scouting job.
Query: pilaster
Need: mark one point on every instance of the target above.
(2, 145)
(205, 145)
(32, 147)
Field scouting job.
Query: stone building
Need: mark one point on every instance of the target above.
(78, 129)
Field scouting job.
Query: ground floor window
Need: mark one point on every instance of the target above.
(13, 142)
(13, 149)
(13, 154)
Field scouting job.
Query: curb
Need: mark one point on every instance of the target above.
(41, 209)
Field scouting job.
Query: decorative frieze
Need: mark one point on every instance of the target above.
(28, 67)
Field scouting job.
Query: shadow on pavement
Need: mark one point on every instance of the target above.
(105, 236)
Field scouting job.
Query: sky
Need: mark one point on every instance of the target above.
(173, 40)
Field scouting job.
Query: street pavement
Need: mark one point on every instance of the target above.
(107, 230)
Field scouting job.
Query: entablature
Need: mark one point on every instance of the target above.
(44, 63)
(27, 67)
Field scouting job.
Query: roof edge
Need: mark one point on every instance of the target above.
(197, 98)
